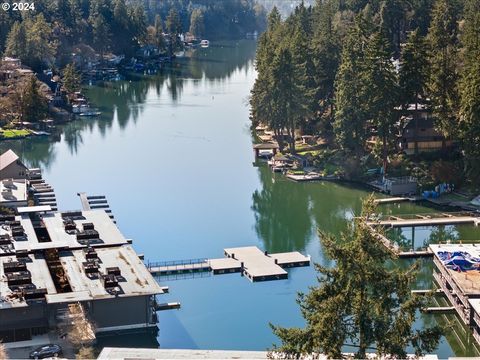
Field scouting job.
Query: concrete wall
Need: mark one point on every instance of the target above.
(120, 312)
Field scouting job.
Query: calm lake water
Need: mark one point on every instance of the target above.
(173, 154)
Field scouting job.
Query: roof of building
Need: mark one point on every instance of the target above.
(7, 158)
(134, 279)
(13, 191)
(451, 255)
(40, 275)
(137, 353)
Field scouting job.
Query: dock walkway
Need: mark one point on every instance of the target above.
(250, 261)
(93, 202)
(429, 220)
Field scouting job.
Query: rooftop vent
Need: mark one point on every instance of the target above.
(22, 254)
(5, 239)
(90, 254)
(113, 271)
(72, 214)
(14, 266)
(90, 267)
(88, 226)
(18, 231)
(88, 234)
(31, 294)
(19, 278)
(109, 281)
(69, 224)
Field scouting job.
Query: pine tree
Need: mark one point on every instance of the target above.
(381, 90)
(33, 106)
(71, 79)
(359, 301)
(197, 23)
(16, 45)
(174, 28)
(470, 90)
(442, 39)
(350, 117)
(413, 74)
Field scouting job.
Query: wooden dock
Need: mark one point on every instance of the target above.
(250, 261)
(439, 309)
(428, 220)
(43, 193)
(390, 200)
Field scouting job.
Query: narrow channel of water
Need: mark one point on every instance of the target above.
(172, 153)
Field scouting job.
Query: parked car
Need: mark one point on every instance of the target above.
(46, 351)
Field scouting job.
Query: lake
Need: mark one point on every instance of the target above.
(173, 154)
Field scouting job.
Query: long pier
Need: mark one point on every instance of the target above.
(429, 220)
(93, 202)
(250, 261)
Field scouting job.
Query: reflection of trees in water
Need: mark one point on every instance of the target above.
(125, 100)
(396, 235)
(442, 233)
(38, 152)
(283, 219)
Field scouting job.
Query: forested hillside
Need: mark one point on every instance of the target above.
(56, 28)
(352, 70)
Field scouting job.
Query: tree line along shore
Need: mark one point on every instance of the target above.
(389, 85)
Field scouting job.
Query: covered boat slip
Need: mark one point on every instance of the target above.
(255, 264)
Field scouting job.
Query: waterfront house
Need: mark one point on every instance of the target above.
(421, 132)
(11, 166)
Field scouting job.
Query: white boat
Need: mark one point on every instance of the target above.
(90, 113)
(204, 43)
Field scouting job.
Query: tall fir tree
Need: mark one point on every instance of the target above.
(359, 301)
(443, 82)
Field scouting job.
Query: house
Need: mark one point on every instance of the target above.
(11, 167)
(427, 137)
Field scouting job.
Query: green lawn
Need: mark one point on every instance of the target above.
(13, 133)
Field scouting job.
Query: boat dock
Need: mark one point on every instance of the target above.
(390, 200)
(94, 202)
(428, 220)
(43, 193)
(250, 261)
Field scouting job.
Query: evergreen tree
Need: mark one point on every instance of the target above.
(159, 39)
(350, 117)
(413, 74)
(359, 301)
(442, 39)
(16, 45)
(71, 79)
(381, 90)
(101, 34)
(197, 23)
(470, 90)
(33, 106)
(174, 28)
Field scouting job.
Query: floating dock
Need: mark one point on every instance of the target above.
(390, 200)
(250, 261)
(429, 220)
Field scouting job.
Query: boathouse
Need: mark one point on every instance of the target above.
(11, 167)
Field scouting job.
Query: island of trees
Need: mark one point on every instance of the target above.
(351, 71)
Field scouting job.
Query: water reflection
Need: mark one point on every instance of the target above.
(124, 101)
(282, 213)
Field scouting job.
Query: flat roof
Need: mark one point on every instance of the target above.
(475, 303)
(13, 191)
(137, 353)
(34, 209)
(135, 277)
(450, 255)
(109, 234)
(41, 278)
